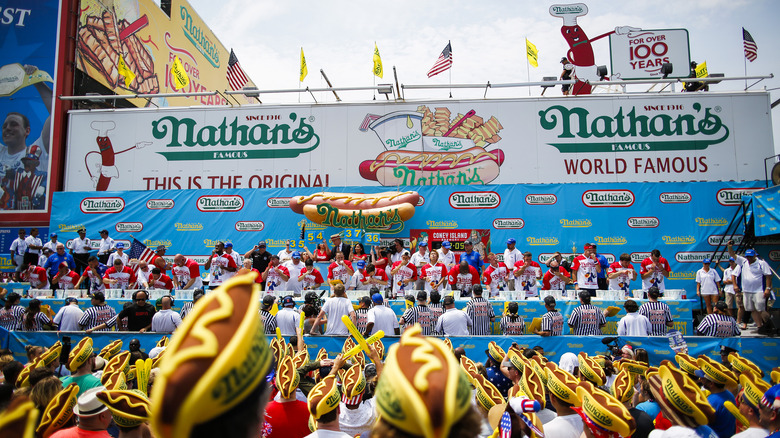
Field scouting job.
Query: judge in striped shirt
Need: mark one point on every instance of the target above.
(658, 313)
(420, 314)
(552, 321)
(481, 313)
(587, 319)
(719, 324)
(99, 314)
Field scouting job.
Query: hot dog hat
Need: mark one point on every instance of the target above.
(114, 380)
(561, 384)
(632, 366)
(301, 358)
(517, 360)
(716, 372)
(380, 348)
(19, 420)
(448, 343)
(604, 415)
(422, 390)
(680, 398)
(221, 341)
(537, 363)
(753, 388)
(469, 367)
(129, 408)
(111, 350)
(533, 386)
(495, 352)
(157, 361)
(687, 363)
(120, 362)
(353, 385)
(52, 353)
(23, 379)
(623, 386)
(80, 354)
(348, 345)
(58, 411)
(359, 359)
(324, 397)
(744, 365)
(278, 348)
(487, 395)
(287, 377)
(163, 342)
(591, 370)
(322, 354)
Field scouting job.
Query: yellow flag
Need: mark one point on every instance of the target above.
(378, 71)
(532, 53)
(304, 69)
(180, 78)
(701, 70)
(124, 71)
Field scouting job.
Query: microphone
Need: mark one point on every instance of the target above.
(609, 340)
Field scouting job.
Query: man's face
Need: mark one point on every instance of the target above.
(14, 132)
(82, 233)
(261, 248)
(423, 249)
(527, 258)
(61, 249)
(21, 234)
(93, 264)
(103, 235)
(588, 252)
(117, 266)
(339, 257)
(219, 247)
(405, 258)
(654, 258)
(492, 259)
(63, 270)
(34, 232)
(510, 246)
(143, 266)
(398, 246)
(336, 241)
(624, 263)
(468, 247)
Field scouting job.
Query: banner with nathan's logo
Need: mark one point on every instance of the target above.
(675, 137)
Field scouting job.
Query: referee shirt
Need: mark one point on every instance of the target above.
(552, 322)
(720, 326)
(659, 314)
(187, 308)
(96, 315)
(586, 320)
(512, 325)
(268, 319)
(11, 318)
(480, 311)
(453, 322)
(420, 314)
(361, 319)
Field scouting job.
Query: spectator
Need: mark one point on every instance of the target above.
(719, 324)
(80, 362)
(453, 322)
(714, 378)
(633, 324)
(481, 313)
(658, 313)
(286, 417)
(324, 405)
(94, 417)
(552, 321)
(134, 347)
(166, 320)
(381, 317)
(67, 318)
(586, 319)
(731, 279)
(331, 313)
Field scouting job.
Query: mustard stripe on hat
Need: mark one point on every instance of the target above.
(324, 397)
(487, 395)
(120, 362)
(129, 408)
(562, 384)
(216, 358)
(605, 411)
(80, 354)
(19, 421)
(533, 386)
(716, 372)
(591, 370)
(163, 342)
(58, 411)
(495, 352)
(115, 380)
(354, 382)
(52, 353)
(753, 388)
(111, 349)
(623, 386)
(287, 377)
(744, 365)
(686, 363)
(684, 395)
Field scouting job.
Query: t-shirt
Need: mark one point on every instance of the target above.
(657, 279)
(288, 320)
(75, 432)
(38, 277)
(495, 277)
(586, 272)
(294, 271)
(474, 259)
(634, 324)
(68, 281)
(725, 423)
(512, 256)
(408, 272)
(622, 281)
(217, 269)
(274, 280)
(137, 316)
(183, 274)
(116, 256)
(752, 274)
(85, 382)
(164, 282)
(728, 275)
(383, 318)
(420, 260)
(448, 259)
(338, 271)
(166, 321)
(95, 279)
(335, 308)
(67, 318)
(565, 426)
(360, 276)
(322, 433)
(433, 275)
(527, 279)
(311, 278)
(286, 420)
(551, 282)
(125, 277)
(453, 322)
(708, 281)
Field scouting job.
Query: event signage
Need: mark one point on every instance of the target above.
(653, 138)
(640, 54)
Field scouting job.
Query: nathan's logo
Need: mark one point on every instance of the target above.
(729, 197)
(508, 224)
(722, 240)
(102, 205)
(698, 257)
(567, 9)
(608, 198)
(278, 202)
(220, 203)
(442, 224)
(675, 198)
(711, 221)
(679, 240)
(421, 201)
(662, 132)
(250, 226)
(541, 241)
(610, 240)
(638, 257)
(545, 199)
(389, 220)
(187, 132)
(474, 200)
(643, 222)
(128, 227)
(192, 226)
(576, 223)
(160, 204)
(198, 38)
(156, 243)
(311, 225)
(682, 275)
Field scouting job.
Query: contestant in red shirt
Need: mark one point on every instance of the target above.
(464, 277)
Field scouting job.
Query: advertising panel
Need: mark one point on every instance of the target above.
(676, 137)
(28, 35)
(130, 46)
(641, 53)
(565, 217)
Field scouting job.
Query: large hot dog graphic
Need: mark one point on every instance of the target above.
(472, 166)
(367, 211)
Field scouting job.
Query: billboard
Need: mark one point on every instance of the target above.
(130, 47)
(28, 35)
(640, 54)
(673, 137)
(685, 221)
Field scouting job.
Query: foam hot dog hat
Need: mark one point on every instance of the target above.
(129, 408)
(680, 398)
(58, 411)
(80, 354)
(591, 370)
(469, 367)
(422, 391)
(23, 380)
(163, 342)
(324, 397)
(753, 388)
(111, 350)
(562, 384)
(716, 372)
(623, 386)
(322, 354)
(487, 395)
(115, 380)
(217, 357)
(774, 375)
(287, 377)
(533, 386)
(495, 352)
(604, 415)
(632, 366)
(120, 362)
(744, 365)
(537, 366)
(353, 385)
(19, 420)
(51, 353)
(687, 363)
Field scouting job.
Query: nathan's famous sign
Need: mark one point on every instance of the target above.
(385, 212)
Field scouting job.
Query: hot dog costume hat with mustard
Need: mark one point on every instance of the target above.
(422, 391)
(80, 354)
(58, 411)
(111, 350)
(680, 398)
(130, 408)
(216, 358)
(52, 353)
(604, 415)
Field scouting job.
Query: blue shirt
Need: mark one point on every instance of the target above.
(725, 424)
(651, 407)
(54, 260)
(499, 380)
(474, 259)
(604, 266)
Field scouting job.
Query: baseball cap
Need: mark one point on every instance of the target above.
(405, 253)
(103, 232)
(377, 298)
(288, 301)
(268, 300)
(81, 230)
(261, 243)
(160, 247)
(706, 261)
(360, 264)
(53, 235)
(229, 245)
(511, 241)
(445, 244)
(423, 243)
(72, 300)
(296, 255)
(751, 253)
(120, 245)
(468, 242)
(731, 259)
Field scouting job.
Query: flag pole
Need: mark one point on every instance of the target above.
(744, 61)
(527, 66)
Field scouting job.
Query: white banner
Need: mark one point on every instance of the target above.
(615, 138)
(640, 54)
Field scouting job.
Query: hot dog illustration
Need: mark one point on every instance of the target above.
(101, 166)
(357, 210)
(472, 166)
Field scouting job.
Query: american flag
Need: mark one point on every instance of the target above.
(235, 74)
(141, 252)
(505, 426)
(751, 49)
(443, 63)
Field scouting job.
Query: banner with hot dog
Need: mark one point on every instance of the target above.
(385, 212)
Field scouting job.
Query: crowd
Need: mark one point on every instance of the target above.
(242, 384)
